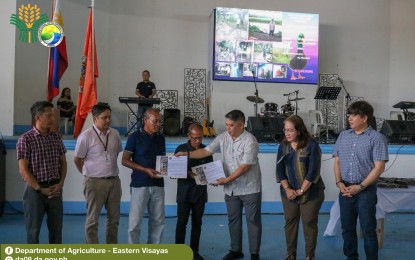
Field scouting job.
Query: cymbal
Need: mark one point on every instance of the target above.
(253, 98)
(296, 99)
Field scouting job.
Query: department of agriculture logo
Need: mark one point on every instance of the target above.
(28, 20)
(50, 34)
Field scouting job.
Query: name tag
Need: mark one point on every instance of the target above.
(107, 158)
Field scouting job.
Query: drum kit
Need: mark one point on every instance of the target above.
(271, 109)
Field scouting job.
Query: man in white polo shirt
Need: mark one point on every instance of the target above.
(242, 185)
(96, 154)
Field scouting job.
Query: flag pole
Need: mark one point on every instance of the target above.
(47, 74)
(93, 39)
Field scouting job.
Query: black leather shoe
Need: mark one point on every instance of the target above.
(196, 256)
(254, 256)
(233, 255)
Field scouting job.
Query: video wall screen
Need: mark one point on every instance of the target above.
(268, 46)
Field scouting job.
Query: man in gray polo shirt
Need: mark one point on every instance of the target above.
(242, 185)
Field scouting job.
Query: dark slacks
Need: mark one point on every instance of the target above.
(183, 213)
(308, 212)
(35, 206)
(252, 205)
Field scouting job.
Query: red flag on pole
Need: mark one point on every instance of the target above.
(87, 96)
(58, 58)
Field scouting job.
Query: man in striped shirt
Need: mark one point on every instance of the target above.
(42, 164)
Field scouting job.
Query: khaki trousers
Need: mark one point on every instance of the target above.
(308, 212)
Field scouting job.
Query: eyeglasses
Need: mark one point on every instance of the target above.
(155, 121)
(198, 138)
(289, 131)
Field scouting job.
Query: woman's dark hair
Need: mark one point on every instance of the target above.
(63, 91)
(361, 108)
(303, 136)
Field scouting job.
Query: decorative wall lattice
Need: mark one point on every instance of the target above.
(168, 99)
(332, 113)
(328, 80)
(195, 94)
(131, 119)
(332, 106)
(379, 123)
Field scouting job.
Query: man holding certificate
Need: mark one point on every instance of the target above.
(242, 185)
(147, 186)
(190, 196)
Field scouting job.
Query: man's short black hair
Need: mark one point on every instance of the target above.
(195, 126)
(236, 116)
(362, 108)
(39, 107)
(99, 108)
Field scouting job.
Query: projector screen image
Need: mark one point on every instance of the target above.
(267, 46)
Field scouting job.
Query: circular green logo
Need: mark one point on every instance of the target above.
(50, 34)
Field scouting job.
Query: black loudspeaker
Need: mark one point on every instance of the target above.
(171, 120)
(187, 121)
(266, 129)
(397, 131)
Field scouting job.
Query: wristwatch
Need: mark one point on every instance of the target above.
(362, 187)
(302, 191)
(38, 190)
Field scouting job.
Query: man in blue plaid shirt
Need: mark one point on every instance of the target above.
(360, 156)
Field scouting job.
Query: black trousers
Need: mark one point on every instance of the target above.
(183, 213)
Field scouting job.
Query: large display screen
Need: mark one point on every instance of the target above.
(268, 46)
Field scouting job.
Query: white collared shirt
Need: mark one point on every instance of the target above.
(242, 150)
(92, 150)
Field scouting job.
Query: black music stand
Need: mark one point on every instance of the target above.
(327, 93)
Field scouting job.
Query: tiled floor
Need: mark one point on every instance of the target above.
(399, 240)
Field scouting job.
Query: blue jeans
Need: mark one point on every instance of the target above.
(152, 199)
(362, 206)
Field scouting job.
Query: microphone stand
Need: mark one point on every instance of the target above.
(348, 98)
(256, 95)
(296, 101)
(345, 90)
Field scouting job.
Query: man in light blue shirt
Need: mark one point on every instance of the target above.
(360, 156)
